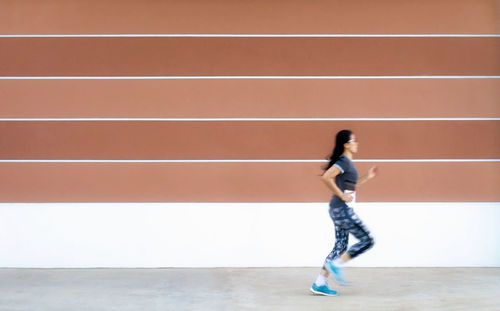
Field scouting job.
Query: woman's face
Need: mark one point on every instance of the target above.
(352, 144)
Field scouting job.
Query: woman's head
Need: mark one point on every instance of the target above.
(345, 140)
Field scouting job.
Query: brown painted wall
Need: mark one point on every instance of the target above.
(250, 17)
(243, 98)
(248, 56)
(247, 140)
(247, 98)
(240, 182)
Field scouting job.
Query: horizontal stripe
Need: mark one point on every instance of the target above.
(241, 182)
(253, 36)
(251, 161)
(236, 77)
(339, 167)
(246, 140)
(222, 16)
(318, 205)
(422, 160)
(239, 119)
(196, 235)
(249, 56)
(247, 100)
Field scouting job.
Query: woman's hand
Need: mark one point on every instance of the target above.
(346, 197)
(372, 172)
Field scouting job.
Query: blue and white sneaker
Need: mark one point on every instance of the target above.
(336, 271)
(323, 290)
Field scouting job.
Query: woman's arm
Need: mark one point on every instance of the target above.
(329, 180)
(372, 172)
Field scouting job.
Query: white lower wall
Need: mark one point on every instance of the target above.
(242, 234)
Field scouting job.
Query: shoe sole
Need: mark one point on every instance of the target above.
(321, 293)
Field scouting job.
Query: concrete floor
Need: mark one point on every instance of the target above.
(248, 289)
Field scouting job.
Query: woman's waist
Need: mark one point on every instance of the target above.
(348, 185)
(337, 201)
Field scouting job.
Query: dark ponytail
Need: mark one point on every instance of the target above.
(342, 138)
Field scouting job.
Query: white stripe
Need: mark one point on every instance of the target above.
(222, 234)
(234, 77)
(252, 36)
(339, 167)
(252, 161)
(238, 119)
(423, 160)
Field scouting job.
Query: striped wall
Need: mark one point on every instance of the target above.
(219, 116)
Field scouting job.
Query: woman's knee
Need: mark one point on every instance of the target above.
(370, 241)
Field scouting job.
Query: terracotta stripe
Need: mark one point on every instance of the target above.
(248, 56)
(246, 140)
(250, 98)
(225, 16)
(240, 182)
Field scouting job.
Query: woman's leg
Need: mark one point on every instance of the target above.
(361, 232)
(320, 286)
(341, 242)
(356, 227)
(340, 246)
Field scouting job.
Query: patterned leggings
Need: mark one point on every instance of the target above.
(346, 221)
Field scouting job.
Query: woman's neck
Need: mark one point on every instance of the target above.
(348, 154)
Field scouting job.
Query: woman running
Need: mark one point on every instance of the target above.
(341, 178)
